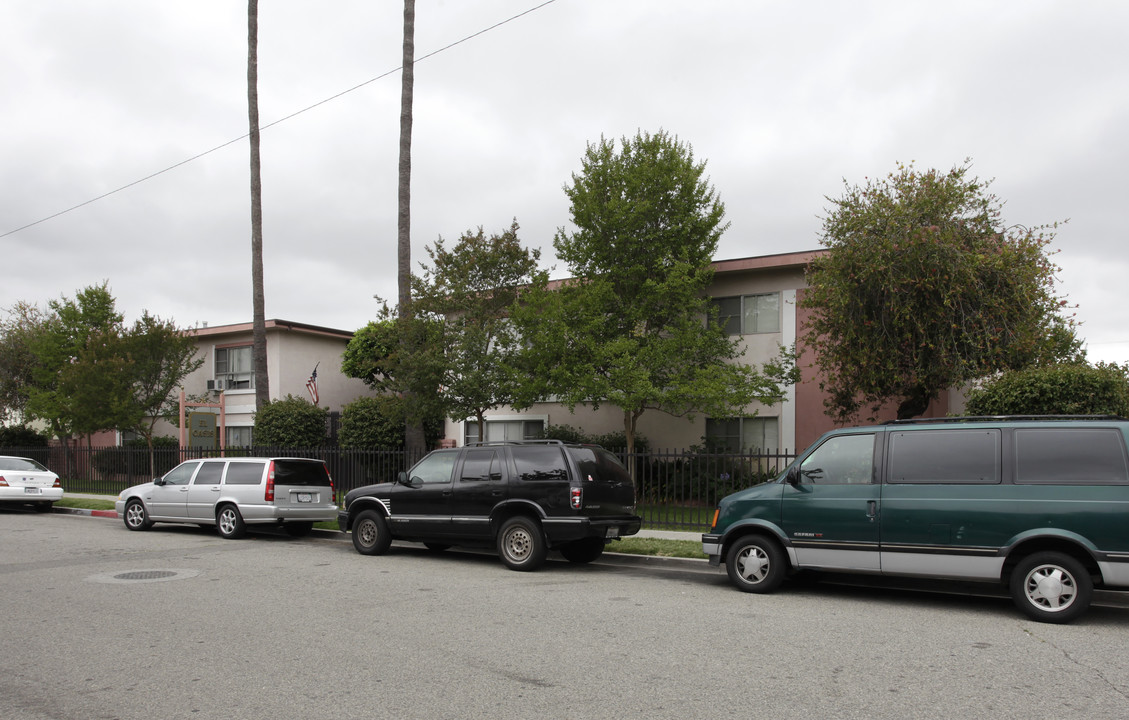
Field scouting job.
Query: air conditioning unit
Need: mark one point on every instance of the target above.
(216, 385)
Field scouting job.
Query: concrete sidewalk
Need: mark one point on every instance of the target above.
(655, 534)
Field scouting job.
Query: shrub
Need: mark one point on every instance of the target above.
(612, 441)
(21, 436)
(293, 422)
(1055, 390)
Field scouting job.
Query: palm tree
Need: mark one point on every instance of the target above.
(259, 330)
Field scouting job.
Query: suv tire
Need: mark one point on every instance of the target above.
(521, 544)
(370, 533)
(1051, 587)
(755, 564)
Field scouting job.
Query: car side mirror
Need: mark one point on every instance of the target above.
(793, 477)
(158, 481)
(402, 478)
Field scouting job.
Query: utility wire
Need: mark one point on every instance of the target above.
(276, 122)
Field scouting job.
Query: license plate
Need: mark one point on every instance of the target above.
(612, 532)
(31, 491)
(305, 497)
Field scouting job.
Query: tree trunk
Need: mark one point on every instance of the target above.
(915, 404)
(259, 331)
(630, 419)
(414, 441)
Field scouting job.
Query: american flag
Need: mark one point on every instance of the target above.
(312, 384)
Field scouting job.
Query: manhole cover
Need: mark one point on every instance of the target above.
(130, 577)
(145, 575)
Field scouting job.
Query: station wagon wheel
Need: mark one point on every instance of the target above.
(136, 517)
(584, 550)
(229, 522)
(756, 564)
(1051, 587)
(521, 544)
(370, 533)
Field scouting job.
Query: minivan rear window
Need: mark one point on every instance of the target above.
(300, 472)
(945, 457)
(244, 473)
(1070, 456)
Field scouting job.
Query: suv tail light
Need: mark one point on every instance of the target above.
(269, 495)
(576, 498)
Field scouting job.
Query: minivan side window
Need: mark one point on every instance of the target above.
(481, 465)
(1070, 456)
(842, 460)
(435, 468)
(244, 473)
(540, 462)
(945, 457)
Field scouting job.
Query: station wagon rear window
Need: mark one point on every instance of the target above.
(945, 457)
(1070, 456)
(301, 472)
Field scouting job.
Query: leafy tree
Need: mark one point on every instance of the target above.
(1065, 389)
(378, 422)
(634, 328)
(17, 361)
(292, 422)
(923, 288)
(471, 290)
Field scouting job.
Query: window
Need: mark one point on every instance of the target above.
(235, 367)
(749, 314)
(244, 473)
(540, 462)
(508, 430)
(181, 474)
(1063, 456)
(842, 460)
(210, 473)
(238, 437)
(481, 465)
(751, 435)
(945, 456)
(435, 468)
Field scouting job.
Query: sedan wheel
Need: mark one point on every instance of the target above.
(136, 518)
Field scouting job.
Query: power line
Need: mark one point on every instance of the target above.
(276, 122)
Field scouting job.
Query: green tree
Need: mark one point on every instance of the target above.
(634, 328)
(470, 290)
(17, 361)
(1065, 389)
(292, 422)
(923, 288)
(378, 422)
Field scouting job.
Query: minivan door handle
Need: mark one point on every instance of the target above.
(871, 509)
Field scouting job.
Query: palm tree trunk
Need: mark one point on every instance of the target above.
(259, 331)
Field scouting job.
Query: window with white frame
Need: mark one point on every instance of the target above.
(499, 430)
(234, 367)
(238, 436)
(752, 435)
(749, 314)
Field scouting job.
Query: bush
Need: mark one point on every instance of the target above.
(612, 441)
(1055, 390)
(293, 422)
(21, 436)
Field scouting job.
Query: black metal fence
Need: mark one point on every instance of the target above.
(677, 489)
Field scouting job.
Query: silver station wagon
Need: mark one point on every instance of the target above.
(293, 493)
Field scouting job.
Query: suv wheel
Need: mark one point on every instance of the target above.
(370, 533)
(1051, 587)
(229, 523)
(136, 517)
(521, 544)
(755, 564)
(583, 551)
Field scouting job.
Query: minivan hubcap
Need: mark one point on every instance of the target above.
(753, 564)
(1050, 588)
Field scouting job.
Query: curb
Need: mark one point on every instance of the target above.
(84, 511)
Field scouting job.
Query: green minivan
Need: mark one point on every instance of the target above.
(1038, 504)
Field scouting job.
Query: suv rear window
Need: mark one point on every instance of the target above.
(301, 472)
(1070, 456)
(599, 465)
(540, 462)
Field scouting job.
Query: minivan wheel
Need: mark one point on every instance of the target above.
(1051, 587)
(229, 523)
(584, 550)
(136, 518)
(370, 533)
(521, 544)
(756, 564)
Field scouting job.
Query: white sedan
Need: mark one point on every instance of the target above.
(23, 480)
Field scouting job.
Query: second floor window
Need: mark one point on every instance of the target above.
(749, 314)
(234, 367)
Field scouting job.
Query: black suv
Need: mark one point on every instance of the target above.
(524, 498)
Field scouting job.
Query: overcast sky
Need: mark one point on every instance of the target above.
(783, 100)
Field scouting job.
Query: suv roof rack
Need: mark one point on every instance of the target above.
(997, 418)
(482, 443)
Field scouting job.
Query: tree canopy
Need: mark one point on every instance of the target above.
(634, 328)
(1063, 389)
(924, 288)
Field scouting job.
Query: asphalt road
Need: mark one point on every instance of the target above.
(100, 622)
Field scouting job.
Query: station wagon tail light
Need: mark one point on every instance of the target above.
(269, 496)
(332, 490)
(576, 498)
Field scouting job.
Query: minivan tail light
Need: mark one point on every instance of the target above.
(269, 495)
(577, 498)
